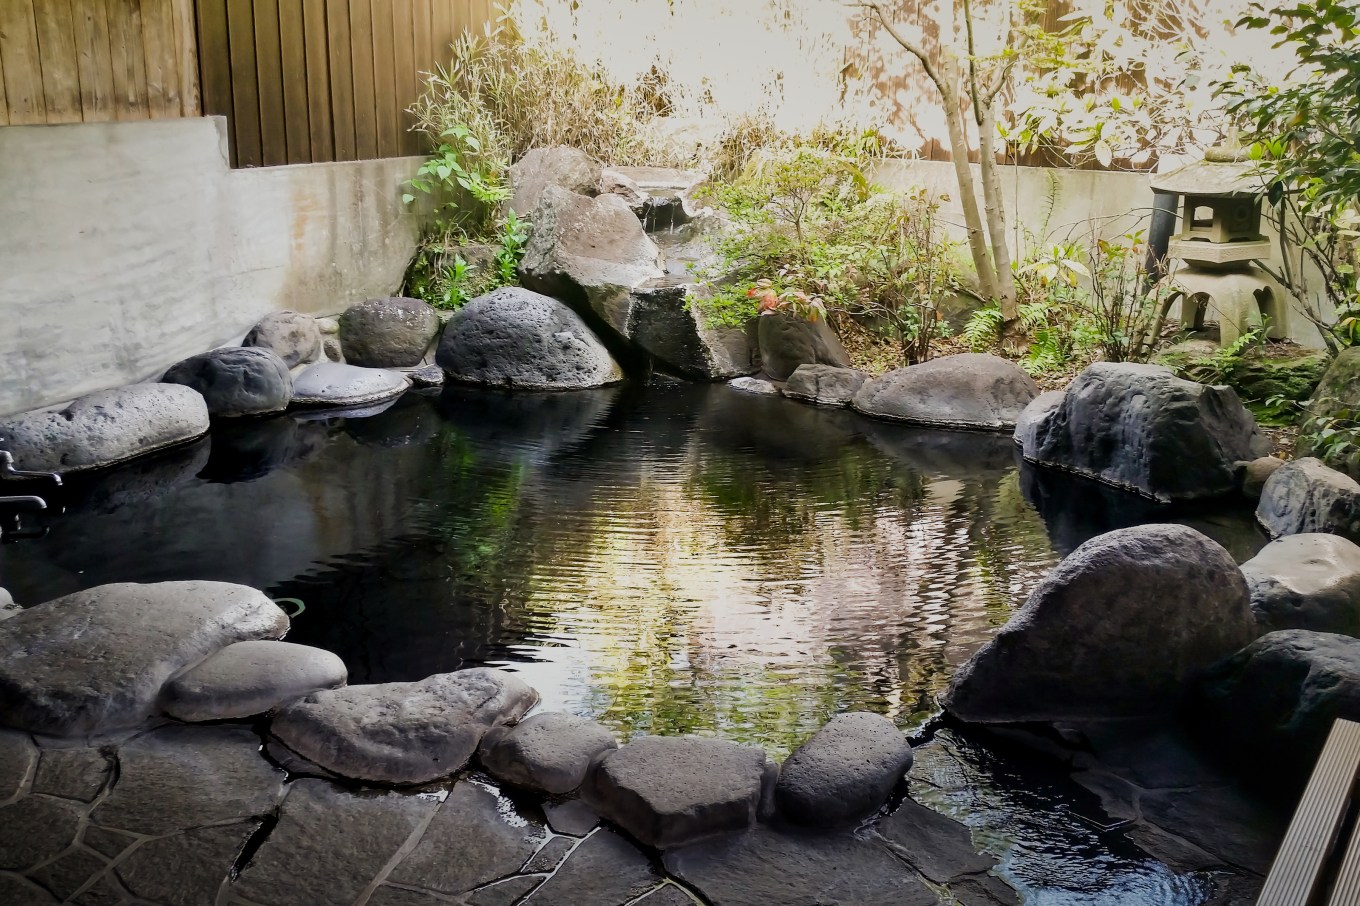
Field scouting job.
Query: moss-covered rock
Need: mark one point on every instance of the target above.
(1260, 374)
(1340, 386)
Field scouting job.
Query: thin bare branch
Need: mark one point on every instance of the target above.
(909, 46)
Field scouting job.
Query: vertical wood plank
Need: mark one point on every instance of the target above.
(269, 67)
(320, 133)
(293, 51)
(441, 24)
(385, 81)
(4, 102)
(365, 108)
(128, 60)
(162, 67)
(97, 97)
(407, 73)
(59, 64)
(214, 49)
(23, 72)
(341, 77)
(245, 94)
(186, 56)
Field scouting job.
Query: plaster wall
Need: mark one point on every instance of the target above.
(125, 247)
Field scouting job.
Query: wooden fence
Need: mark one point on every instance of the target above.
(86, 61)
(307, 81)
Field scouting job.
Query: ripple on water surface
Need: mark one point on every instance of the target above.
(668, 560)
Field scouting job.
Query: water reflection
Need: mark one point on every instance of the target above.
(667, 559)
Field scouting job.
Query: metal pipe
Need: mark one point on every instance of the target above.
(7, 467)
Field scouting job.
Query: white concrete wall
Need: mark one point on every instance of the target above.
(125, 247)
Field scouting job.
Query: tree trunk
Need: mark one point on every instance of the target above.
(996, 215)
(988, 286)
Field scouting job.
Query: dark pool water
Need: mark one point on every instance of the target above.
(667, 559)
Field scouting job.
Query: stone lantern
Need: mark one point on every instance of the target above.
(1218, 244)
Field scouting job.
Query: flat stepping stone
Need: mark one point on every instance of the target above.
(330, 844)
(548, 753)
(95, 661)
(346, 386)
(825, 385)
(668, 791)
(402, 732)
(250, 678)
(942, 850)
(179, 777)
(105, 428)
(765, 866)
(605, 868)
(970, 390)
(476, 837)
(236, 381)
(845, 772)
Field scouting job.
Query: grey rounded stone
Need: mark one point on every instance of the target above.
(7, 606)
(970, 390)
(388, 333)
(427, 376)
(402, 733)
(1309, 581)
(236, 381)
(293, 337)
(1142, 428)
(1281, 694)
(1033, 416)
(1255, 474)
(845, 772)
(568, 168)
(346, 386)
(518, 339)
(550, 752)
(787, 341)
(95, 661)
(250, 678)
(1308, 496)
(105, 428)
(753, 385)
(1120, 628)
(669, 791)
(825, 385)
(332, 351)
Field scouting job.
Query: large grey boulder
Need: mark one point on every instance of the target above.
(566, 168)
(1309, 581)
(825, 385)
(339, 386)
(845, 772)
(970, 390)
(787, 341)
(250, 678)
(292, 336)
(669, 791)
(518, 339)
(95, 661)
(549, 752)
(1142, 428)
(402, 732)
(1307, 496)
(105, 428)
(591, 253)
(394, 332)
(666, 320)
(236, 381)
(1281, 694)
(1120, 628)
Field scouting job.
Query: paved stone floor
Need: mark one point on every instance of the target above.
(201, 816)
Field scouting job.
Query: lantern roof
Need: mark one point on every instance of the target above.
(1212, 178)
